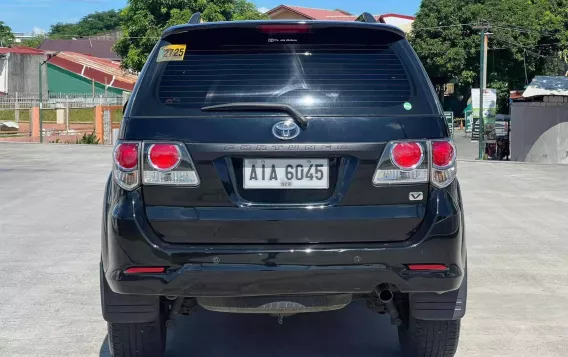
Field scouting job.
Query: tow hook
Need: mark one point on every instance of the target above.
(174, 311)
(386, 296)
(179, 306)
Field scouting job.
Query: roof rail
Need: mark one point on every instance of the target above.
(195, 18)
(366, 17)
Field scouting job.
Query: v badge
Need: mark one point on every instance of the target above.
(416, 196)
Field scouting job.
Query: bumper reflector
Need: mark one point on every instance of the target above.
(142, 270)
(427, 267)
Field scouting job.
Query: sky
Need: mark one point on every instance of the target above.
(38, 15)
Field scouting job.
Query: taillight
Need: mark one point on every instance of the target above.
(164, 157)
(126, 156)
(407, 156)
(444, 167)
(125, 170)
(402, 162)
(168, 164)
(411, 162)
(159, 163)
(443, 153)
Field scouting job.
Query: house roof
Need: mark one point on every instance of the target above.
(547, 85)
(349, 18)
(96, 48)
(100, 70)
(21, 50)
(310, 13)
(332, 15)
(407, 17)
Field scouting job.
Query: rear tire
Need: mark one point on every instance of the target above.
(138, 340)
(429, 338)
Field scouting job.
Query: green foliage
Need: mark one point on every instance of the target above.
(526, 35)
(88, 139)
(6, 35)
(35, 41)
(10, 115)
(90, 25)
(143, 22)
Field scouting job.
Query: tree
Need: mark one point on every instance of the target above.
(143, 22)
(90, 25)
(526, 39)
(35, 41)
(6, 35)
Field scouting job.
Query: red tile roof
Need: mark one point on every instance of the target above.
(21, 50)
(399, 16)
(310, 13)
(98, 69)
(348, 18)
(331, 15)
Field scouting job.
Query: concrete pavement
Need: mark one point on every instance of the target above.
(50, 209)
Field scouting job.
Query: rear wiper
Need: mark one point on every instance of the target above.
(244, 106)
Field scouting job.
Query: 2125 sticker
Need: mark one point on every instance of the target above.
(171, 53)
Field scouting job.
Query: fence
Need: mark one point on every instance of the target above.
(62, 114)
(15, 101)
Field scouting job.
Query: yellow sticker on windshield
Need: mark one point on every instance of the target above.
(171, 53)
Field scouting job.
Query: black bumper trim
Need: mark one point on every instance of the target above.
(256, 270)
(447, 306)
(121, 308)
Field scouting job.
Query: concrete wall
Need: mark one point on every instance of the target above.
(539, 131)
(23, 73)
(404, 24)
(3, 74)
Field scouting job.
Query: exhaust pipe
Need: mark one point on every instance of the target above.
(386, 296)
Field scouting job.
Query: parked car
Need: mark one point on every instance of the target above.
(283, 167)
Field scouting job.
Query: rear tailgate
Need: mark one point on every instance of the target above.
(357, 95)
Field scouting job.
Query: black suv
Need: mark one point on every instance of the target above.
(283, 167)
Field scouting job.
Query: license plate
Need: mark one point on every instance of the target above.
(286, 174)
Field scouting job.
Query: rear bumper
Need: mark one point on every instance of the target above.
(251, 270)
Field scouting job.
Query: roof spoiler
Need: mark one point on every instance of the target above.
(195, 18)
(366, 17)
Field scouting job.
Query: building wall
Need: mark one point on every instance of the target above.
(3, 74)
(63, 81)
(113, 35)
(23, 73)
(403, 24)
(287, 15)
(539, 131)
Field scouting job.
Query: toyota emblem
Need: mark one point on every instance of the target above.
(286, 130)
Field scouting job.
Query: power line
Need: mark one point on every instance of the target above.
(524, 47)
(523, 29)
(444, 26)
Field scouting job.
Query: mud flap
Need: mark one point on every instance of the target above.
(447, 306)
(120, 308)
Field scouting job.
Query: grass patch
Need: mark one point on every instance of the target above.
(76, 115)
(10, 115)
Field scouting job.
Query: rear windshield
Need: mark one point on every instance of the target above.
(334, 71)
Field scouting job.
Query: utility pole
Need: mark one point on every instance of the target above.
(482, 84)
(49, 56)
(41, 102)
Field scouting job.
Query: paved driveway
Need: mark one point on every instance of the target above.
(50, 208)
